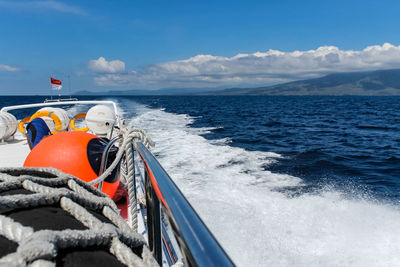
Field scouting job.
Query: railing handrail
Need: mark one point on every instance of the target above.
(59, 103)
(198, 245)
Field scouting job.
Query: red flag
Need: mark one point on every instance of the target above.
(55, 84)
(55, 81)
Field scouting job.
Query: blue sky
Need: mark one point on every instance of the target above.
(118, 45)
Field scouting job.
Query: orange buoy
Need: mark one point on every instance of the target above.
(75, 153)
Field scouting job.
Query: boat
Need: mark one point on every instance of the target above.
(59, 207)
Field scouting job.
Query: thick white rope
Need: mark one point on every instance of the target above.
(115, 219)
(132, 207)
(38, 247)
(12, 230)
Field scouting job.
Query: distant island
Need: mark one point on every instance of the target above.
(164, 91)
(371, 83)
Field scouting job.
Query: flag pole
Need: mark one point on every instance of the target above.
(69, 86)
(51, 91)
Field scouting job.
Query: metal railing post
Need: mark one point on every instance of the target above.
(153, 219)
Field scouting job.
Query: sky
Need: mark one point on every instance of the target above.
(128, 44)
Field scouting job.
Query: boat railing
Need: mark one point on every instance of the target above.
(58, 103)
(197, 244)
(60, 99)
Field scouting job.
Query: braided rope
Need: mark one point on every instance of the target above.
(115, 219)
(42, 263)
(120, 251)
(132, 207)
(9, 186)
(12, 230)
(123, 171)
(28, 201)
(40, 248)
(80, 213)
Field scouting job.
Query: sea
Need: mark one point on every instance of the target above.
(282, 180)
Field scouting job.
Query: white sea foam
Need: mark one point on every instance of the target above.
(259, 226)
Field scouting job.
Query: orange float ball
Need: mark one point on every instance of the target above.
(68, 152)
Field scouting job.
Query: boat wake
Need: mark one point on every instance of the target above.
(254, 221)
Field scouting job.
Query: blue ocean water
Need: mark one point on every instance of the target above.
(350, 143)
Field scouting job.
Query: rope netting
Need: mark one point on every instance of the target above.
(45, 215)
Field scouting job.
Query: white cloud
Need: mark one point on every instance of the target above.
(260, 68)
(8, 68)
(37, 5)
(101, 65)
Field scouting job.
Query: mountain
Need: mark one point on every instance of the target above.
(164, 91)
(380, 82)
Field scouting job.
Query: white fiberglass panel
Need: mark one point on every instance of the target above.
(14, 151)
